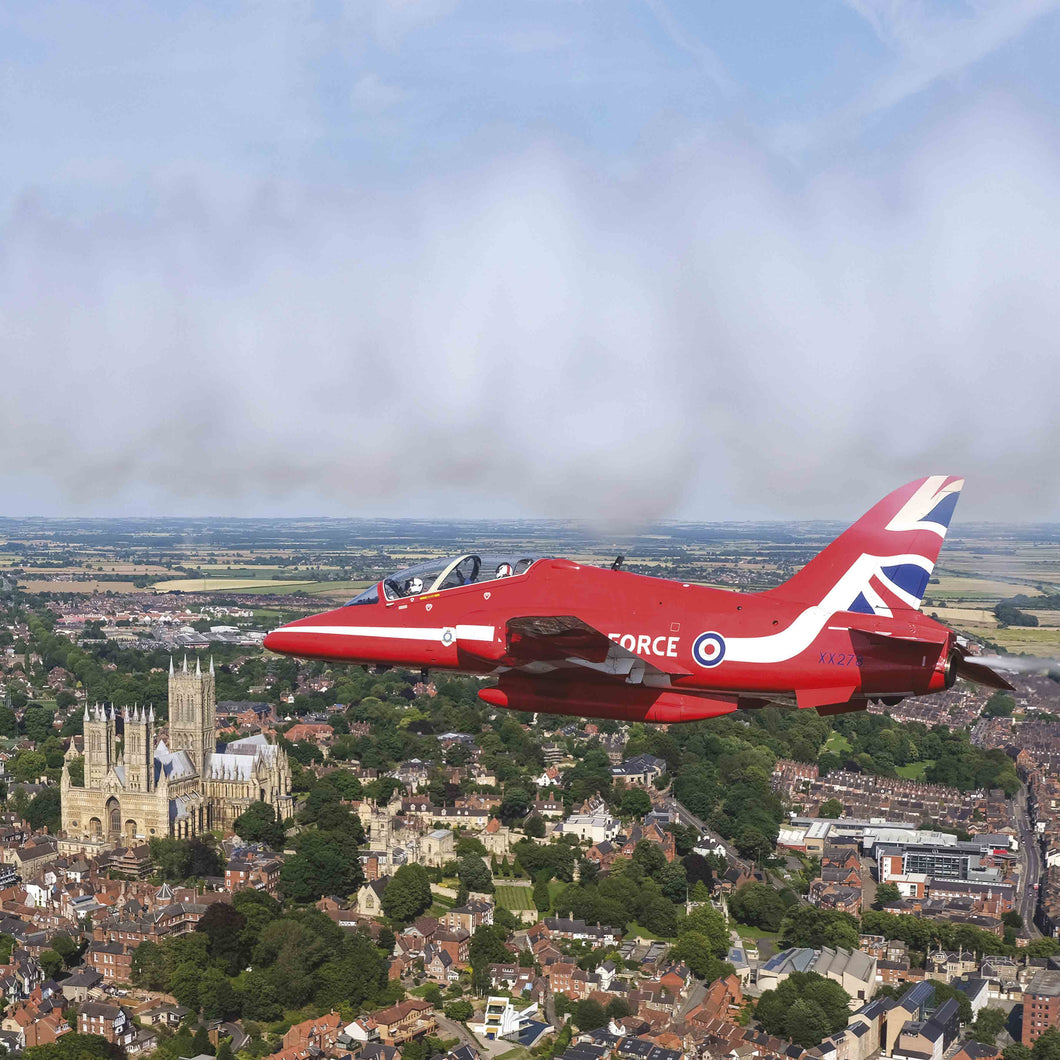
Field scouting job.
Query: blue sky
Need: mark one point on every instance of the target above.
(613, 260)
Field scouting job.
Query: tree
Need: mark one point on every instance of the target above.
(649, 857)
(28, 766)
(999, 705)
(516, 805)
(696, 950)
(218, 995)
(1047, 1047)
(50, 963)
(149, 966)
(408, 894)
(673, 882)
(1016, 1051)
(542, 897)
(759, 905)
(776, 1009)
(223, 925)
(636, 802)
(1043, 947)
(321, 865)
(38, 723)
(474, 874)
(588, 1015)
(76, 1046)
(486, 948)
(260, 823)
(806, 926)
(184, 985)
(66, 948)
(708, 923)
(535, 826)
(830, 808)
(885, 894)
(988, 1025)
(807, 1023)
(201, 1043)
(44, 810)
(458, 1010)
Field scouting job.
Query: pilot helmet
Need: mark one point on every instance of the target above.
(504, 570)
(416, 586)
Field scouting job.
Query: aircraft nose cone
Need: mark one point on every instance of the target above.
(277, 640)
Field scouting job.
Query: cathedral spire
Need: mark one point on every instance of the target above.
(211, 666)
(86, 710)
(151, 714)
(184, 669)
(171, 666)
(198, 667)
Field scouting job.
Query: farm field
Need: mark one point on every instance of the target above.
(100, 585)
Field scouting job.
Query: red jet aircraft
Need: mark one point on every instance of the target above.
(566, 638)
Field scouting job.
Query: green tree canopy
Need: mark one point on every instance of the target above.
(408, 894)
(758, 905)
(804, 1008)
(260, 823)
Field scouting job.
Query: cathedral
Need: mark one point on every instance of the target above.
(180, 788)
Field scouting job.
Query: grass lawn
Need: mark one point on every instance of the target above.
(745, 931)
(838, 744)
(644, 933)
(518, 1053)
(915, 770)
(514, 898)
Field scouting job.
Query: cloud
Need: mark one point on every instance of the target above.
(534, 336)
(931, 44)
(704, 55)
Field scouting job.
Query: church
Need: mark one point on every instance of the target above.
(177, 787)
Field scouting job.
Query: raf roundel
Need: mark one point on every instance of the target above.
(709, 649)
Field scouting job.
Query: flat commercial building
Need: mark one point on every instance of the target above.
(958, 861)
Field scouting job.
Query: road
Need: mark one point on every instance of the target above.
(1030, 863)
(688, 819)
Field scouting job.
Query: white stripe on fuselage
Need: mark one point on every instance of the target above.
(425, 633)
(803, 631)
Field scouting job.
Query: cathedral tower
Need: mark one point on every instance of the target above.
(101, 744)
(192, 720)
(139, 750)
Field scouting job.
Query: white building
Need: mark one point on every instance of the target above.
(596, 827)
(501, 1019)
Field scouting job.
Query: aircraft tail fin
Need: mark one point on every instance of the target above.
(883, 562)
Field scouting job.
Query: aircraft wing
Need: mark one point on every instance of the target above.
(546, 642)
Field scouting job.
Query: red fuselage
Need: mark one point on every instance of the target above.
(681, 651)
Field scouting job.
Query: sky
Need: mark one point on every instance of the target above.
(614, 260)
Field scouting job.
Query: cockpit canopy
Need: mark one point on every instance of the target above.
(450, 572)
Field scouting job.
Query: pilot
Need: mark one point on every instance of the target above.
(415, 587)
(504, 570)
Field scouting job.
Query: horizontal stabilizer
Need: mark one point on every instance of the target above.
(972, 670)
